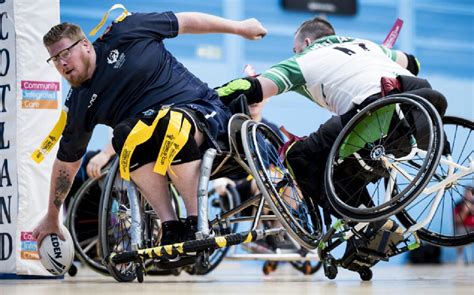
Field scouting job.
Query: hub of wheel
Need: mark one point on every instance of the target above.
(377, 152)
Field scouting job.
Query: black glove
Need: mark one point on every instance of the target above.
(413, 64)
(248, 86)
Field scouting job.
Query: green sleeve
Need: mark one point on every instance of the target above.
(392, 54)
(286, 75)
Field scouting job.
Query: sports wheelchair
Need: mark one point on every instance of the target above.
(382, 160)
(129, 229)
(82, 221)
(395, 158)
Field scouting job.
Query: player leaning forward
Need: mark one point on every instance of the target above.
(341, 74)
(127, 76)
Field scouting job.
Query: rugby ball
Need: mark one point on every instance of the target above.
(57, 255)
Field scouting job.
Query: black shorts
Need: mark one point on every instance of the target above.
(201, 115)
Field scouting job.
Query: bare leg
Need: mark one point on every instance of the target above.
(155, 189)
(187, 178)
(186, 182)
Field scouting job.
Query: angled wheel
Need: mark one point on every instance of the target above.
(83, 222)
(384, 158)
(446, 228)
(115, 224)
(296, 213)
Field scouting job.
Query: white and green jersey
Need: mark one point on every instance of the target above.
(336, 72)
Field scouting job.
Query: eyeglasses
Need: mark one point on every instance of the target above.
(64, 54)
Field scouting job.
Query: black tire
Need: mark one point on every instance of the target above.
(379, 139)
(296, 212)
(330, 269)
(82, 222)
(307, 267)
(218, 205)
(72, 271)
(365, 273)
(442, 230)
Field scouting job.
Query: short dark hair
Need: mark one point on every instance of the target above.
(314, 29)
(63, 30)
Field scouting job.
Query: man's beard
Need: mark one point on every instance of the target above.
(75, 82)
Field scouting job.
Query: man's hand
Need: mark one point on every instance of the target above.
(96, 164)
(48, 225)
(252, 29)
(221, 184)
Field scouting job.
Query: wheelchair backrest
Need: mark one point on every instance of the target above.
(240, 105)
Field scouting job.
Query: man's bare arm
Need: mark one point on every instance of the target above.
(61, 182)
(201, 23)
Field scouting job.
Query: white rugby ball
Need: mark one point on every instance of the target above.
(57, 255)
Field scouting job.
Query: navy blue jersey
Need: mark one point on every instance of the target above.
(134, 73)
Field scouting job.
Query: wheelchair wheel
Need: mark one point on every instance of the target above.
(115, 227)
(115, 223)
(296, 213)
(383, 158)
(446, 228)
(82, 222)
(217, 205)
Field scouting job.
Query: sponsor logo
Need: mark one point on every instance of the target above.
(58, 266)
(116, 58)
(39, 94)
(91, 102)
(29, 246)
(56, 248)
(149, 113)
(113, 56)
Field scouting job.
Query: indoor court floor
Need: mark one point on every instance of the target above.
(234, 277)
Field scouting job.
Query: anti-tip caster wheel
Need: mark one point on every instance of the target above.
(139, 272)
(365, 274)
(72, 270)
(330, 269)
(269, 267)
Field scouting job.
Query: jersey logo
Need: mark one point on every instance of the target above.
(91, 102)
(116, 58)
(113, 56)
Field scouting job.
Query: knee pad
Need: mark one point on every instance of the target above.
(121, 132)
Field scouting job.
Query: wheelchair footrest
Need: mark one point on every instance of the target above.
(363, 253)
(189, 248)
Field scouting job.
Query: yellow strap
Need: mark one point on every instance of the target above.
(50, 141)
(121, 17)
(176, 136)
(140, 133)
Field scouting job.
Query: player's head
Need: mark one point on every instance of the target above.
(70, 52)
(310, 31)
